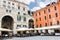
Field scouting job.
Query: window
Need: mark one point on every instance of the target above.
(9, 11)
(57, 22)
(50, 16)
(19, 18)
(36, 20)
(45, 24)
(50, 23)
(12, 3)
(48, 10)
(36, 26)
(24, 18)
(39, 13)
(45, 17)
(18, 12)
(8, 2)
(36, 14)
(24, 26)
(56, 14)
(18, 26)
(44, 11)
(18, 7)
(40, 19)
(4, 1)
(40, 25)
(24, 9)
(4, 5)
(6, 10)
(24, 13)
(55, 8)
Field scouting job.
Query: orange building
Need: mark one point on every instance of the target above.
(48, 18)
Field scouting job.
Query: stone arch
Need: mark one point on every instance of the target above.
(7, 22)
(31, 23)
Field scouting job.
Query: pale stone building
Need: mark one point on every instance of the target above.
(14, 17)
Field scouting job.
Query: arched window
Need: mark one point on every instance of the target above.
(50, 23)
(55, 8)
(50, 16)
(45, 24)
(40, 25)
(56, 14)
(57, 22)
(31, 23)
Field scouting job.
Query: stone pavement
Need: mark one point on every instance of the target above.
(36, 38)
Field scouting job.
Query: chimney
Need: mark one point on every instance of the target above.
(58, 0)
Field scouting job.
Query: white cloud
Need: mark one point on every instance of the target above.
(26, 1)
(40, 3)
(35, 8)
(49, 1)
(43, 4)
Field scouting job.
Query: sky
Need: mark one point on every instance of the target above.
(37, 4)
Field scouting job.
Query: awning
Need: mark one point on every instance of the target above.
(49, 27)
(3, 29)
(24, 29)
(31, 29)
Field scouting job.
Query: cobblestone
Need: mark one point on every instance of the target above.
(36, 38)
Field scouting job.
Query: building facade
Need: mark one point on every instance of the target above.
(14, 17)
(47, 19)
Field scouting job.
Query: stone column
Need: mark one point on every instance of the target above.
(14, 28)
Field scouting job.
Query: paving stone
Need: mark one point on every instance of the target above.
(36, 38)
